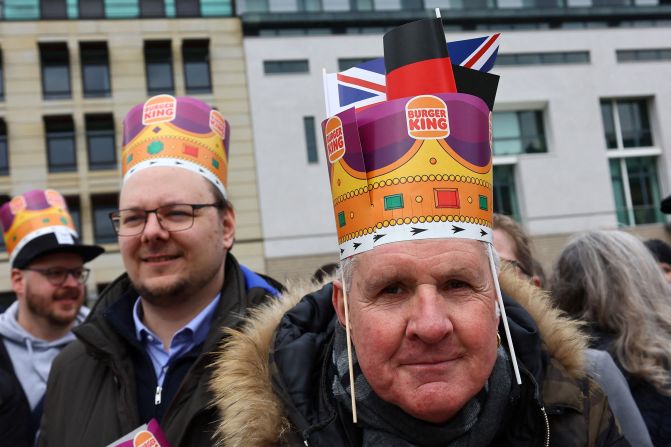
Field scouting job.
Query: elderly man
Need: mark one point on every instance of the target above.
(144, 352)
(412, 189)
(48, 277)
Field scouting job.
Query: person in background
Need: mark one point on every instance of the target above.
(662, 253)
(610, 280)
(512, 239)
(144, 353)
(47, 275)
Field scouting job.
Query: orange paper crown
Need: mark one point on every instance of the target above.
(413, 167)
(181, 132)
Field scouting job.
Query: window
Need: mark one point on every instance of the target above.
(74, 207)
(414, 5)
(564, 57)
(101, 206)
(310, 139)
(347, 63)
(196, 57)
(55, 62)
(661, 54)
(286, 66)
(362, 5)
(626, 123)
(4, 152)
(505, 195)
(152, 8)
(518, 132)
(60, 132)
(309, 5)
(158, 62)
(95, 69)
(100, 141)
(256, 6)
(53, 9)
(2, 79)
(91, 9)
(632, 160)
(187, 8)
(4, 198)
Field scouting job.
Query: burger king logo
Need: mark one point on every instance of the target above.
(159, 109)
(335, 139)
(426, 118)
(218, 123)
(145, 439)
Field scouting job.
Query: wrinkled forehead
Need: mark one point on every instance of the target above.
(164, 185)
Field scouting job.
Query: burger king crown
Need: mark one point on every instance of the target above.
(418, 165)
(34, 214)
(181, 132)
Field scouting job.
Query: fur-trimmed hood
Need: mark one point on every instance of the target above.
(253, 415)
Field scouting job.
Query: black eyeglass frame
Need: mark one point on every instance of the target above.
(80, 274)
(115, 216)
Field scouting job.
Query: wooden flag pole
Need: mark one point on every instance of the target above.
(349, 348)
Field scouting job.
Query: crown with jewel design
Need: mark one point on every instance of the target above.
(418, 165)
(181, 132)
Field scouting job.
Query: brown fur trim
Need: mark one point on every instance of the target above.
(561, 335)
(250, 413)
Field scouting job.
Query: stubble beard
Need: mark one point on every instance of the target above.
(40, 307)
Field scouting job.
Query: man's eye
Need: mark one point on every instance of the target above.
(456, 284)
(130, 219)
(393, 289)
(55, 273)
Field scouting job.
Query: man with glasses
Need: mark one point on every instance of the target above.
(145, 353)
(48, 276)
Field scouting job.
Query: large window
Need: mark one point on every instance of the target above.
(196, 59)
(55, 62)
(519, 132)
(61, 153)
(632, 160)
(4, 152)
(187, 8)
(2, 79)
(626, 123)
(152, 8)
(101, 206)
(658, 54)
(53, 9)
(95, 69)
(91, 9)
(158, 63)
(74, 208)
(310, 139)
(347, 63)
(286, 66)
(100, 141)
(505, 194)
(563, 57)
(309, 5)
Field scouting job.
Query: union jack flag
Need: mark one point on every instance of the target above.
(364, 85)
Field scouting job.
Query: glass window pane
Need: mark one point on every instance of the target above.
(505, 197)
(2, 79)
(310, 138)
(634, 123)
(618, 192)
(4, 153)
(53, 9)
(608, 124)
(187, 8)
(91, 9)
(531, 128)
(196, 57)
(102, 226)
(55, 64)
(506, 130)
(95, 69)
(645, 198)
(60, 136)
(286, 66)
(158, 60)
(100, 141)
(152, 8)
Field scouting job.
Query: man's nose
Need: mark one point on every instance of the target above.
(153, 229)
(71, 280)
(429, 318)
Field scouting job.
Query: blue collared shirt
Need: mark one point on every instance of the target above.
(191, 335)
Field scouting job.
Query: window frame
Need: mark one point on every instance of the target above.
(46, 51)
(71, 135)
(89, 121)
(103, 203)
(85, 47)
(150, 47)
(196, 45)
(4, 141)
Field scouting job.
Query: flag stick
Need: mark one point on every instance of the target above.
(503, 314)
(349, 348)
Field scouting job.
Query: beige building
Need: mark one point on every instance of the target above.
(66, 87)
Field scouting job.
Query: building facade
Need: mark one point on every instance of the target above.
(579, 135)
(71, 70)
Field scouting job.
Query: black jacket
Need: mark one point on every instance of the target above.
(556, 405)
(92, 393)
(16, 427)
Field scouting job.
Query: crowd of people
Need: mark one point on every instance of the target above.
(430, 331)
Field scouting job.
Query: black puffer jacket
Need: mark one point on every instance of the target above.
(92, 396)
(556, 404)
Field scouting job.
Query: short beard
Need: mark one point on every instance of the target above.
(56, 320)
(178, 292)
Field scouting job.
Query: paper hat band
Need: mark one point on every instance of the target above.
(180, 132)
(416, 167)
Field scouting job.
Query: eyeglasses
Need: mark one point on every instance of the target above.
(172, 218)
(57, 276)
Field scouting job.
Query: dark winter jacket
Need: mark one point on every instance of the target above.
(92, 394)
(272, 381)
(654, 406)
(15, 415)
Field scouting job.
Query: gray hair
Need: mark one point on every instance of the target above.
(610, 279)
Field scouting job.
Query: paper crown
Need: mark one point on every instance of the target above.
(38, 223)
(418, 165)
(180, 132)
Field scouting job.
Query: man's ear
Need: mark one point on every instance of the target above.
(228, 221)
(536, 280)
(18, 282)
(338, 300)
